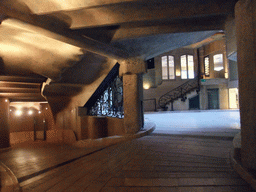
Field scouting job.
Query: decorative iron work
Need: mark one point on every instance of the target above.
(110, 103)
(179, 92)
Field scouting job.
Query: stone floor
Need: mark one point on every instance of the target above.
(158, 162)
(210, 123)
(151, 163)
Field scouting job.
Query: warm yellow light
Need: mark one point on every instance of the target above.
(18, 113)
(30, 112)
(35, 49)
(47, 6)
(39, 112)
(177, 73)
(226, 75)
(146, 86)
(6, 100)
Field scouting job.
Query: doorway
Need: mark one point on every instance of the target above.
(39, 129)
(194, 103)
(213, 98)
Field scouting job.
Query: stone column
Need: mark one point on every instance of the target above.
(4, 123)
(245, 13)
(132, 70)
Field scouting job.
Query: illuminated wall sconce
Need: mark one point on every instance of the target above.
(30, 112)
(18, 113)
(6, 100)
(39, 112)
(177, 73)
(146, 86)
(226, 75)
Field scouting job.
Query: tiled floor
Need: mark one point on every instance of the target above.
(151, 163)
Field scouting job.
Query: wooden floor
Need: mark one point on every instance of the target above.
(152, 163)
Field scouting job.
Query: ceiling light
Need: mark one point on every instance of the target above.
(18, 113)
(30, 112)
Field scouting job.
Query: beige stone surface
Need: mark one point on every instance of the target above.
(60, 136)
(131, 103)
(133, 65)
(19, 137)
(246, 58)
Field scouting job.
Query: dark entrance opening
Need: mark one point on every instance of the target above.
(213, 98)
(194, 102)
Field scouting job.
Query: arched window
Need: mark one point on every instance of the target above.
(187, 67)
(168, 67)
(218, 62)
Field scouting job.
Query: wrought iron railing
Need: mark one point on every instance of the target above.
(179, 92)
(110, 103)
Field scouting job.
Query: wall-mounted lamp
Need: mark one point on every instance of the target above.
(146, 86)
(226, 75)
(177, 73)
(18, 113)
(30, 112)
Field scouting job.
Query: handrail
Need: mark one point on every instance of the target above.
(178, 92)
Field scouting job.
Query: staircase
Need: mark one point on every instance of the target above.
(179, 92)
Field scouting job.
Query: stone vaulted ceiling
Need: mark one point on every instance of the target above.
(45, 38)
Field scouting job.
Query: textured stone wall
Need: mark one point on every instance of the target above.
(246, 57)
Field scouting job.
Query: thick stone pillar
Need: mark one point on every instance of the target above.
(246, 57)
(133, 94)
(4, 123)
(132, 103)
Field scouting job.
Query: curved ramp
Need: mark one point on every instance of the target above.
(8, 180)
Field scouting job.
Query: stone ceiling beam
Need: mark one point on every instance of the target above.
(181, 27)
(122, 13)
(54, 28)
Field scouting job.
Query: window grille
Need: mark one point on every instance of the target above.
(110, 103)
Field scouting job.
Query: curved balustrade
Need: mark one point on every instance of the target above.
(179, 92)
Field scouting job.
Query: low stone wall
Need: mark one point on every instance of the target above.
(93, 127)
(60, 136)
(52, 136)
(20, 137)
(112, 140)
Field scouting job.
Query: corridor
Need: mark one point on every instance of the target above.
(151, 163)
(157, 162)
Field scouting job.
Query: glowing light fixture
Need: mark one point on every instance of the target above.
(30, 112)
(146, 86)
(226, 75)
(178, 72)
(6, 100)
(18, 113)
(39, 112)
